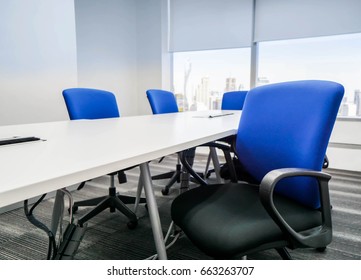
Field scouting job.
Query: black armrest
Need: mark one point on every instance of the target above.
(315, 238)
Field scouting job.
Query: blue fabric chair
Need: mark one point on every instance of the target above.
(86, 103)
(283, 135)
(162, 101)
(233, 100)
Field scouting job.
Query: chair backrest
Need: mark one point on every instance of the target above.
(86, 103)
(288, 125)
(162, 101)
(233, 100)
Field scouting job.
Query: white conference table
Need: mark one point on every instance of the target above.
(76, 151)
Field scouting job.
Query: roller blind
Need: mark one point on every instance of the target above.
(289, 19)
(210, 24)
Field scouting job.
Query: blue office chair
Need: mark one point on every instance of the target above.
(86, 103)
(282, 136)
(233, 100)
(163, 102)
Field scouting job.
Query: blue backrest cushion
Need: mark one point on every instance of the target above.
(87, 103)
(233, 100)
(288, 125)
(162, 101)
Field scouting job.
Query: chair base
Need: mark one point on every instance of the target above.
(113, 202)
(174, 176)
(95, 201)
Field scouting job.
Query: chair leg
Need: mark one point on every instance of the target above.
(129, 199)
(90, 202)
(118, 204)
(87, 202)
(285, 255)
(95, 211)
(175, 178)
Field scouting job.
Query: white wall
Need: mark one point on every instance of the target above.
(49, 45)
(152, 50)
(37, 59)
(107, 49)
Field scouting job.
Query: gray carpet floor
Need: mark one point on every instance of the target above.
(108, 238)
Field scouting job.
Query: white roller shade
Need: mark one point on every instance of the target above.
(210, 24)
(289, 19)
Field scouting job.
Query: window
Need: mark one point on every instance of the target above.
(336, 58)
(201, 77)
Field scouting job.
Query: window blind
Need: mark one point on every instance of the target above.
(290, 19)
(210, 24)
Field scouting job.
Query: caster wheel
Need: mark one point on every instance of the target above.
(132, 224)
(165, 192)
(322, 249)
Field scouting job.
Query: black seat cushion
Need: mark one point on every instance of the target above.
(229, 220)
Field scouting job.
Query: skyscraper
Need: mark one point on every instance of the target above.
(230, 84)
(262, 81)
(357, 101)
(344, 108)
(203, 90)
(187, 72)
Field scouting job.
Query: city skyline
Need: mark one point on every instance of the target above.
(336, 58)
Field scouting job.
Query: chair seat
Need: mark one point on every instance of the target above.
(201, 214)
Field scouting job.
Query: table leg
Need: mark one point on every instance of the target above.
(139, 193)
(153, 211)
